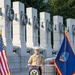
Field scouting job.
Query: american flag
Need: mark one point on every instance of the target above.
(4, 69)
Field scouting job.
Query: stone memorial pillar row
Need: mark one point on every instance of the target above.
(32, 27)
(19, 27)
(5, 21)
(45, 33)
(71, 31)
(58, 30)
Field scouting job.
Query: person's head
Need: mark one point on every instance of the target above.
(36, 50)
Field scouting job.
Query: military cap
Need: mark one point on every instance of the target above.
(36, 48)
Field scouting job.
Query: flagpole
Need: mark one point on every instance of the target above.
(65, 48)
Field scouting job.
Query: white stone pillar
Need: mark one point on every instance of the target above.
(71, 33)
(6, 30)
(48, 69)
(45, 34)
(32, 29)
(57, 32)
(19, 28)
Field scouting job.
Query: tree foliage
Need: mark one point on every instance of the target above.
(38, 4)
(65, 8)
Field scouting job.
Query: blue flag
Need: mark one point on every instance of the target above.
(65, 60)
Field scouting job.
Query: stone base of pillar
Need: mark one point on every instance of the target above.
(9, 48)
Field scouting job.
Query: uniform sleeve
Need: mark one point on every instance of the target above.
(43, 60)
(30, 60)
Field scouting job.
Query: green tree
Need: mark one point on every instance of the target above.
(65, 8)
(38, 4)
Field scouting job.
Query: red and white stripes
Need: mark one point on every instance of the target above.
(4, 69)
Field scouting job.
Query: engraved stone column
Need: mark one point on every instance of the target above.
(48, 69)
(45, 33)
(19, 28)
(6, 23)
(32, 27)
(71, 31)
(58, 29)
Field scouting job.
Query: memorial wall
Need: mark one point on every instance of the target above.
(20, 32)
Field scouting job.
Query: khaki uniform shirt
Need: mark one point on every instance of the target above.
(36, 60)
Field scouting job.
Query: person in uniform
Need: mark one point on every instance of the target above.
(36, 59)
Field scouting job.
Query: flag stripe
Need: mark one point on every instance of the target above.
(58, 70)
(5, 62)
(66, 35)
(2, 72)
(4, 69)
(0, 66)
(65, 60)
